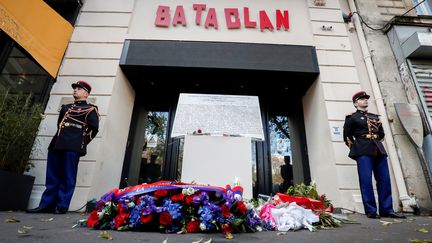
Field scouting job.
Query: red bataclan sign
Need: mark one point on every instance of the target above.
(232, 19)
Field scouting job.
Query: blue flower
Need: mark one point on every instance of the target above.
(173, 208)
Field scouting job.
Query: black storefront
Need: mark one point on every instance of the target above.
(278, 74)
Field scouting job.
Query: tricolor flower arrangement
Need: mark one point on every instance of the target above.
(173, 207)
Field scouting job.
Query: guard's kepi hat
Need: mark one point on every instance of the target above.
(360, 94)
(83, 84)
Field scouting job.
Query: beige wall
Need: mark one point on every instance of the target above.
(142, 23)
(328, 101)
(94, 52)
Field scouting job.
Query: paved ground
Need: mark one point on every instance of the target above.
(49, 228)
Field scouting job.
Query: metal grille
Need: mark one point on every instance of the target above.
(422, 71)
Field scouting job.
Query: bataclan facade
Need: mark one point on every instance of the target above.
(299, 58)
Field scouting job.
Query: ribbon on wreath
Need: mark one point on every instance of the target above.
(160, 185)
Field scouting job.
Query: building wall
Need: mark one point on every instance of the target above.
(94, 52)
(376, 14)
(342, 73)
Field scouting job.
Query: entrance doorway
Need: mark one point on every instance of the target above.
(160, 70)
(277, 162)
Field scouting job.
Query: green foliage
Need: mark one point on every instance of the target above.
(304, 191)
(19, 123)
(280, 125)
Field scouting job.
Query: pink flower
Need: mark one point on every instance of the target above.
(265, 213)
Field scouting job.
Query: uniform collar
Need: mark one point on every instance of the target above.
(80, 102)
(363, 112)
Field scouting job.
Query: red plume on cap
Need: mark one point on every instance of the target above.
(360, 94)
(83, 84)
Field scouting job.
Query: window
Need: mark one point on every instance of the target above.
(423, 8)
(68, 9)
(19, 72)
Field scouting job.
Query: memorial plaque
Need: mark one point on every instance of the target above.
(231, 115)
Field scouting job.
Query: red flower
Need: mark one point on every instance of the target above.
(241, 207)
(225, 211)
(165, 218)
(120, 220)
(121, 209)
(226, 229)
(100, 204)
(93, 219)
(160, 194)
(193, 227)
(178, 198)
(199, 130)
(189, 199)
(146, 218)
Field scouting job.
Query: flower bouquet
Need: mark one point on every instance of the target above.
(175, 207)
(300, 207)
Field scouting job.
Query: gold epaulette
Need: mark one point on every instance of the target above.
(96, 108)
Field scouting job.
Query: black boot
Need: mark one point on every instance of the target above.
(40, 210)
(60, 210)
(393, 215)
(372, 216)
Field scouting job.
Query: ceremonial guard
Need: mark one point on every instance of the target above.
(78, 124)
(363, 133)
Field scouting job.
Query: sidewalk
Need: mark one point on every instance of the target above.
(59, 228)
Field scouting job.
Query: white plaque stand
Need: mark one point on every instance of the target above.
(218, 161)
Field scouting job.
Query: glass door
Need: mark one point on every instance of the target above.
(280, 153)
(153, 150)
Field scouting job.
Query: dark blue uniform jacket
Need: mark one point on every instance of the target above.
(78, 124)
(363, 133)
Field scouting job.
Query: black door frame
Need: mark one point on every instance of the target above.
(264, 184)
(166, 68)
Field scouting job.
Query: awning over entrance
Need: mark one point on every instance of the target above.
(167, 66)
(220, 55)
(38, 29)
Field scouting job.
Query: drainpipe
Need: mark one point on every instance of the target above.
(392, 153)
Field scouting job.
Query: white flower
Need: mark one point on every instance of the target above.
(202, 226)
(101, 213)
(188, 191)
(313, 183)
